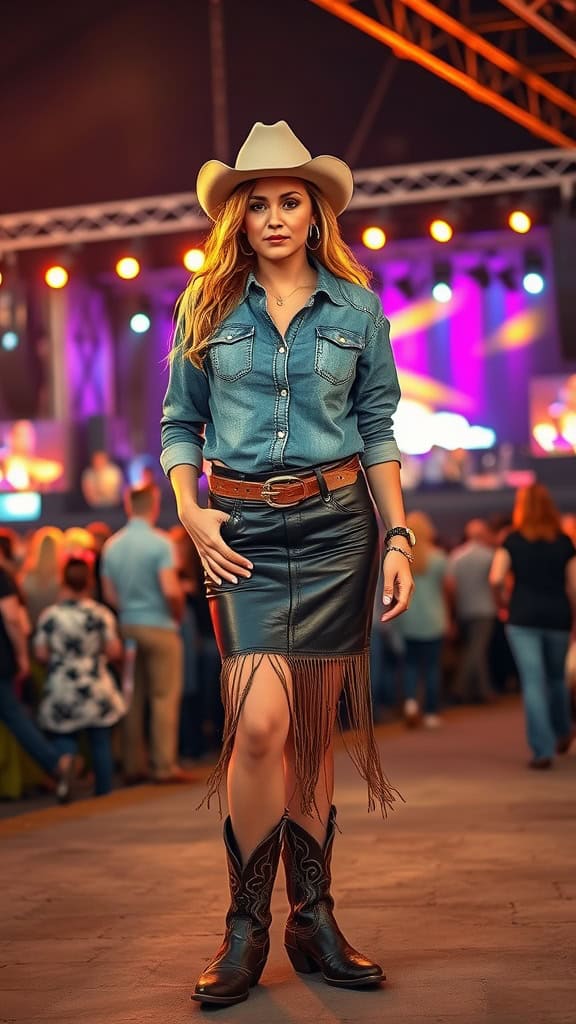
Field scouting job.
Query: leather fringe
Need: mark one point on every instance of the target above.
(323, 688)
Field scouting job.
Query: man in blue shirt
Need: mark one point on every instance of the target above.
(139, 579)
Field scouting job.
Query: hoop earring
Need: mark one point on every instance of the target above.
(313, 236)
(243, 251)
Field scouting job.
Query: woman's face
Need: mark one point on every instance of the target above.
(278, 217)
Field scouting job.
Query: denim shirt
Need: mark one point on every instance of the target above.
(325, 391)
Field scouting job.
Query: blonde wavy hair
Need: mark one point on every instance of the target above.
(213, 292)
(44, 557)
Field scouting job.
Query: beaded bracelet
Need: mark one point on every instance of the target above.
(392, 547)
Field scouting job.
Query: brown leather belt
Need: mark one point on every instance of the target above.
(287, 489)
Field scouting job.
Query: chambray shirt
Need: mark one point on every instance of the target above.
(325, 391)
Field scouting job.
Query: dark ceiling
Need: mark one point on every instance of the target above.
(108, 100)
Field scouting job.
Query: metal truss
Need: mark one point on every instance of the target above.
(380, 186)
(502, 57)
(97, 222)
(475, 176)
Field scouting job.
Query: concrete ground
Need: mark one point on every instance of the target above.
(467, 895)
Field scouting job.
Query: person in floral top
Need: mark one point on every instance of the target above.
(77, 637)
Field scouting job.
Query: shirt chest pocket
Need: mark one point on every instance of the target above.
(337, 352)
(232, 351)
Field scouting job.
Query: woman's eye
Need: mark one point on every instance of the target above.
(256, 207)
(291, 204)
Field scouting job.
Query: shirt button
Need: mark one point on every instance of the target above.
(284, 392)
(229, 337)
(282, 349)
(280, 433)
(343, 340)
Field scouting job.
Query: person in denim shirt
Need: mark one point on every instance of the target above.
(282, 378)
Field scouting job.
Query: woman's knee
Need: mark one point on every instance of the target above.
(262, 734)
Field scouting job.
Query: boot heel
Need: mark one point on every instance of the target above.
(301, 963)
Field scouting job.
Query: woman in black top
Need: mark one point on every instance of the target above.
(542, 611)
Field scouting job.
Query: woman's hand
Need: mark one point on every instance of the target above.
(398, 585)
(219, 560)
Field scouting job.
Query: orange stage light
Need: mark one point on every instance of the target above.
(193, 260)
(56, 277)
(520, 222)
(374, 238)
(441, 230)
(128, 268)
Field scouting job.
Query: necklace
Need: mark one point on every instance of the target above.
(281, 299)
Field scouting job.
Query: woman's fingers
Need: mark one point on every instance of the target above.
(398, 587)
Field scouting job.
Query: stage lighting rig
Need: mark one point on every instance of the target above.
(533, 280)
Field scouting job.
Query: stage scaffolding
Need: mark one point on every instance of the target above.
(377, 187)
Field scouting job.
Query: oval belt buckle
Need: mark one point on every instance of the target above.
(268, 495)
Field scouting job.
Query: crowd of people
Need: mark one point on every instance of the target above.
(109, 665)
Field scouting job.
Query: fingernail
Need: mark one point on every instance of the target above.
(234, 579)
(387, 598)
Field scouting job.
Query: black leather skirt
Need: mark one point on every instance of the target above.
(306, 614)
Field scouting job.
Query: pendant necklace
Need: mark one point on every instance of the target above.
(280, 300)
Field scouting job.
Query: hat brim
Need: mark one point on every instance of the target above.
(216, 181)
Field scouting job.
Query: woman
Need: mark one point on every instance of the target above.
(284, 359)
(76, 637)
(425, 625)
(542, 608)
(41, 572)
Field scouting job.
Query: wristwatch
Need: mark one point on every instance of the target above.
(401, 531)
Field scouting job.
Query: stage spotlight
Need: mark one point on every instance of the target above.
(441, 230)
(442, 287)
(374, 238)
(520, 222)
(140, 323)
(10, 341)
(193, 260)
(128, 268)
(56, 277)
(481, 275)
(533, 280)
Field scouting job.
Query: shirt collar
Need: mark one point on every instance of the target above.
(328, 284)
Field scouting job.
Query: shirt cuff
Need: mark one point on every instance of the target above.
(385, 451)
(183, 453)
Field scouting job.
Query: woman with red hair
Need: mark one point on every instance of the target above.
(541, 560)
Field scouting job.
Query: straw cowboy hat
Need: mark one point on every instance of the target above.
(274, 151)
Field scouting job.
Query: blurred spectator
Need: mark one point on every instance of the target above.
(14, 666)
(77, 541)
(472, 602)
(41, 573)
(76, 637)
(202, 714)
(139, 579)
(424, 624)
(100, 533)
(102, 482)
(542, 609)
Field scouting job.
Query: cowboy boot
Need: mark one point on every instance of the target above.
(313, 940)
(239, 962)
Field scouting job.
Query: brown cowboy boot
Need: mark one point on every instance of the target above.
(313, 940)
(239, 962)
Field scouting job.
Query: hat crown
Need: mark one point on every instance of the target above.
(271, 146)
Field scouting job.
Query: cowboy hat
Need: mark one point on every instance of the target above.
(273, 151)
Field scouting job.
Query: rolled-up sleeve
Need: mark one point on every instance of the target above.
(185, 412)
(376, 396)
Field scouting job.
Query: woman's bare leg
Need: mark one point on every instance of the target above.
(315, 824)
(255, 783)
